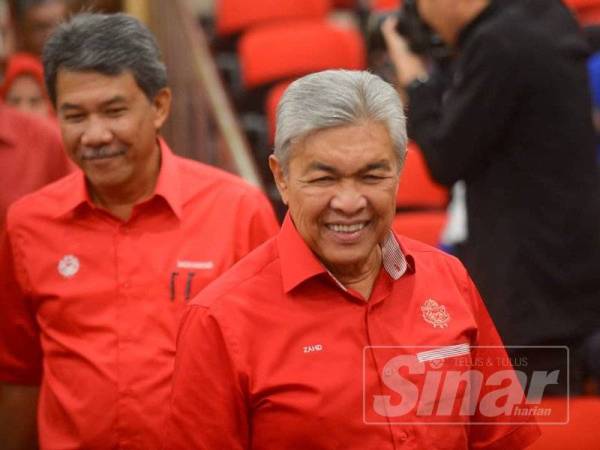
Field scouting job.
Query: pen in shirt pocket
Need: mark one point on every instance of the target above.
(188, 285)
(172, 286)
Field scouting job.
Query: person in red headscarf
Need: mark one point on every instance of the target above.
(23, 87)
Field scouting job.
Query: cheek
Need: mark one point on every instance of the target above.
(70, 139)
(307, 205)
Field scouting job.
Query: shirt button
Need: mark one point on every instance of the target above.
(126, 285)
(403, 435)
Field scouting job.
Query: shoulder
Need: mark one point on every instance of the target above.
(254, 277)
(199, 178)
(43, 203)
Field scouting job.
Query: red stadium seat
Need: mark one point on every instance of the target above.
(345, 4)
(417, 190)
(385, 5)
(580, 433)
(587, 11)
(424, 226)
(234, 16)
(278, 51)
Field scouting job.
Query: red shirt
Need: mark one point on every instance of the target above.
(31, 156)
(278, 355)
(96, 302)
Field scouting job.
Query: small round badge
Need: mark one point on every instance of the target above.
(68, 266)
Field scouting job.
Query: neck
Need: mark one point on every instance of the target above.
(361, 279)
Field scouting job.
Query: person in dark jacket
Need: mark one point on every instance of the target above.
(514, 123)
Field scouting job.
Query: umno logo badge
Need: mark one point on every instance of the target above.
(435, 314)
(68, 266)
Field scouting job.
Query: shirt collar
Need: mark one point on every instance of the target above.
(167, 186)
(299, 263)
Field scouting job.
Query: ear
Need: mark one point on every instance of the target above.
(279, 177)
(162, 107)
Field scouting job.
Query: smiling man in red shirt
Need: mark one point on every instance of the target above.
(96, 268)
(335, 335)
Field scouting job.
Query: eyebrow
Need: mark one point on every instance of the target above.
(109, 102)
(377, 165)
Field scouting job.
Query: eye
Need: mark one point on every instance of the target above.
(370, 178)
(115, 112)
(322, 180)
(74, 117)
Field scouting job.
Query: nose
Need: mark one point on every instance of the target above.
(96, 133)
(348, 200)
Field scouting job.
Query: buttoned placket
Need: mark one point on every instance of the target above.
(125, 289)
(399, 434)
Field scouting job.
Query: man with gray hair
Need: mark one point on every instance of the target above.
(301, 344)
(96, 269)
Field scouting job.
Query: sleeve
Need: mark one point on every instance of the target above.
(20, 350)
(459, 133)
(208, 407)
(257, 222)
(495, 429)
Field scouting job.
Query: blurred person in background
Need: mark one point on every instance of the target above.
(7, 44)
(23, 85)
(34, 21)
(97, 268)
(31, 156)
(514, 123)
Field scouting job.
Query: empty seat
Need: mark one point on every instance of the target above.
(233, 16)
(385, 5)
(417, 189)
(581, 431)
(279, 51)
(345, 4)
(424, 226)
(587, 11)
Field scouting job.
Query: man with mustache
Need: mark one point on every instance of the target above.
(97, 267)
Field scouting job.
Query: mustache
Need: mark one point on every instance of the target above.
(91, 153)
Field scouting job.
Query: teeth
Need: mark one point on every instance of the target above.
(338, 228)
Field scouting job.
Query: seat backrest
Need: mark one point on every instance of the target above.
(285, 50)
(344, 4)
(234, 16)
(385, 5)
(424, 226)
(587, 11)
(417, 189)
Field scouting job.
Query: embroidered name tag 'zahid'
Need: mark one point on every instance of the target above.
(68, 266)
(435, 314)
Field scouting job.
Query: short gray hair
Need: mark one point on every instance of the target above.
(335, 98)
(110, 44)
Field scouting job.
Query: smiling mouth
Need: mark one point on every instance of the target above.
(347, 229)
(101, 153)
